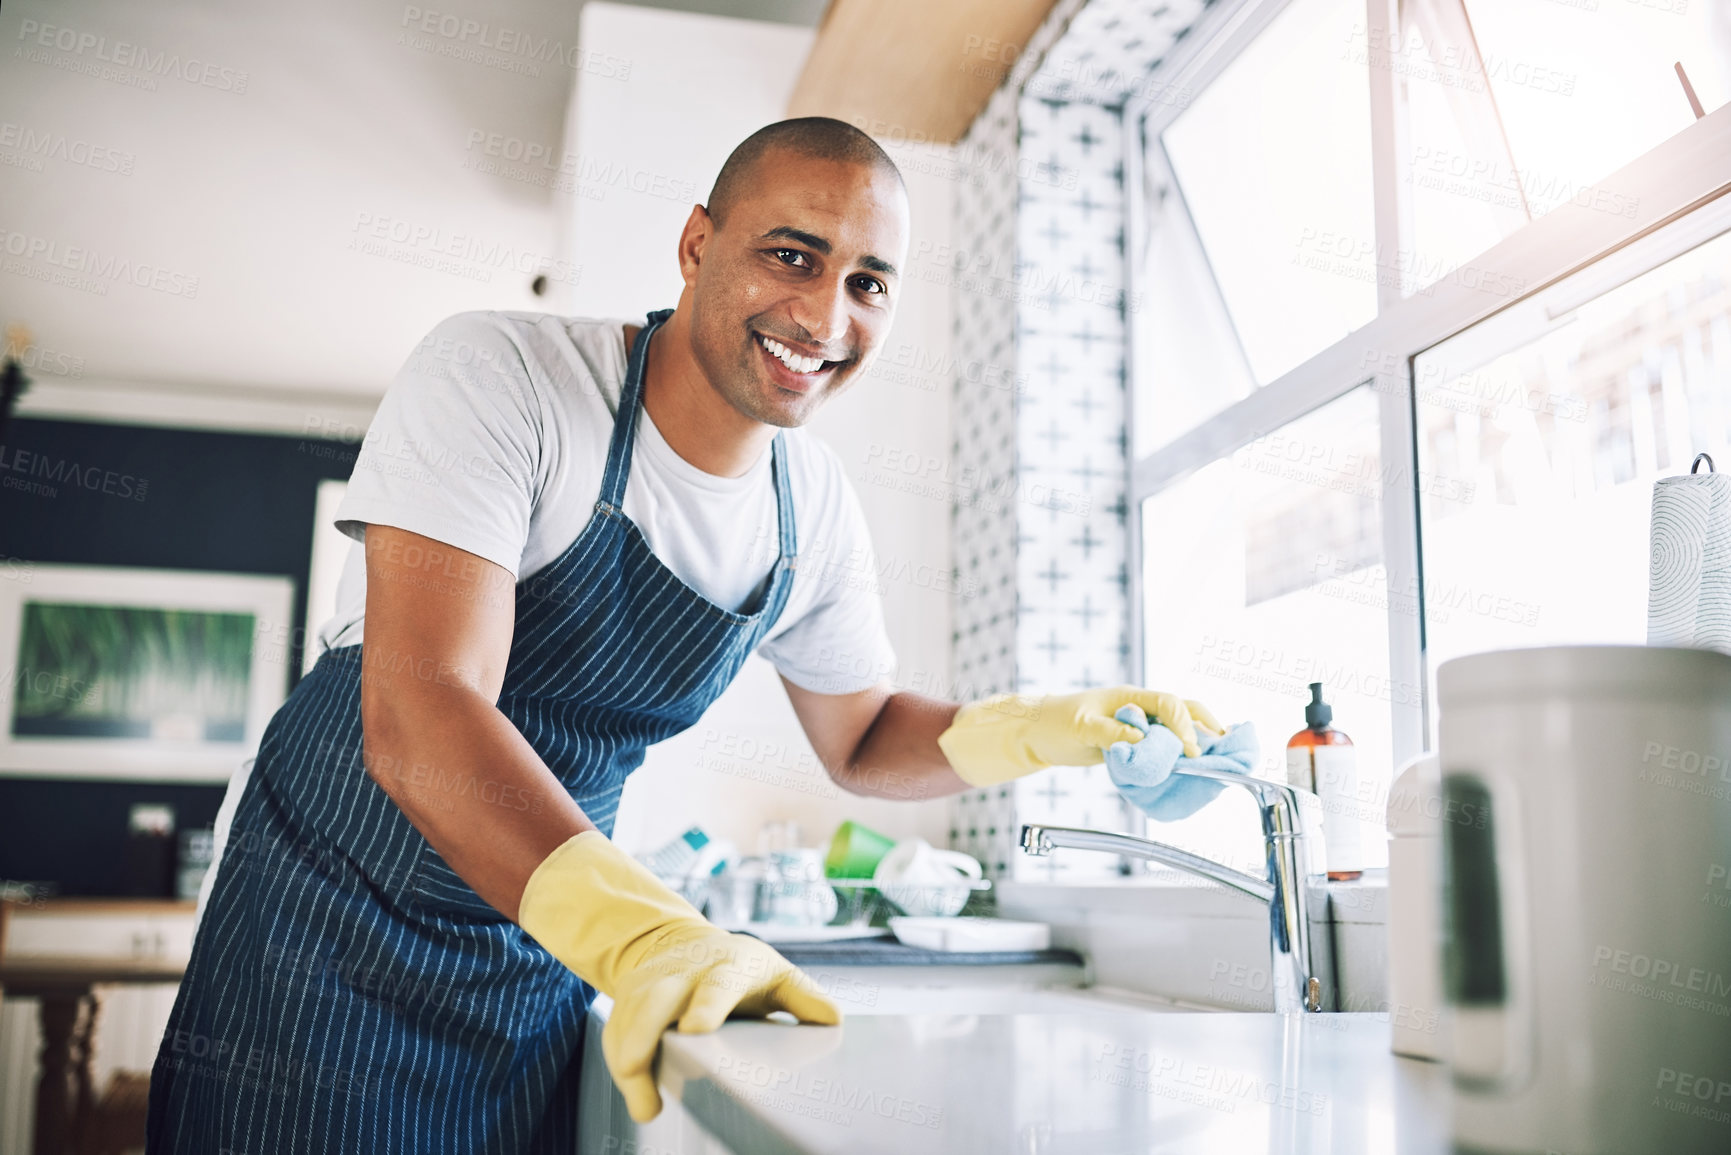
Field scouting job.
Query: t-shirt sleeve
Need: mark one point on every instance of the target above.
(454, 452)
(837, 644)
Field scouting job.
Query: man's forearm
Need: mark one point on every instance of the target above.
(899, 756)
(470, 782)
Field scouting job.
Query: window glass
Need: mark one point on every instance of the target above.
(1515, 107)
(1557, 443)
(1273, 158)
(1263, 573)
(1463, 193)
(1187, 362)
(1584, 90)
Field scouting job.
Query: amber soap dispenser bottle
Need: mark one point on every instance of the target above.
(1321, 759)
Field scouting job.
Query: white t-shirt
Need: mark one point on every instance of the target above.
(493, 439)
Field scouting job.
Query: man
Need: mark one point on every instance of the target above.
(563, 523)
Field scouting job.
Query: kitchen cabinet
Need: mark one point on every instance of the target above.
(906, 70)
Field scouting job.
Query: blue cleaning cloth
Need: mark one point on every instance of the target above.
(1143, 770)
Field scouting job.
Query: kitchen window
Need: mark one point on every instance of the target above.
(1413, 270)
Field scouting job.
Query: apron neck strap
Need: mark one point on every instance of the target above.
(783, 501)
(625, 416)
(625, 437)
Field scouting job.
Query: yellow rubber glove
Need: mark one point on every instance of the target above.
(1008, 735)
(604, 915)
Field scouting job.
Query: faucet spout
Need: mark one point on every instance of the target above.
(1041, 840)
(1285, 889)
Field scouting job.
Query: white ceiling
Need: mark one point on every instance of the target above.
(306, 206)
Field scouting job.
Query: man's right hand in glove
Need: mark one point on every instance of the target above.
(601, 913)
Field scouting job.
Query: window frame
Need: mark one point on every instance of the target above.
(1680, 177)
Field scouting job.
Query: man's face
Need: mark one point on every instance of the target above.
(794, 293)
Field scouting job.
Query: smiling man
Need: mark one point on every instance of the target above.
(563, 528)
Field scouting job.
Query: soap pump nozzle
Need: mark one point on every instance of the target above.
(1317, 713)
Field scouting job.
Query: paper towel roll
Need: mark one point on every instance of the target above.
(1689, 583)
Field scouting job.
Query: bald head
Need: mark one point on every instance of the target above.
(792, 270)
(812, 137)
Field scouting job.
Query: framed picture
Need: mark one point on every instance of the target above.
(138, 673)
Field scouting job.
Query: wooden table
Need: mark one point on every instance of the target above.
(64, 1094)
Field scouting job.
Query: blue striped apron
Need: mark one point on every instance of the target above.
(347, 991)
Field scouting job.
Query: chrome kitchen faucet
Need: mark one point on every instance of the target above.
(1291, 970)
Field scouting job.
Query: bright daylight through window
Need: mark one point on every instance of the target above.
(1519, 106)
(1558, 430)
(1282, 583)
(1290, 115)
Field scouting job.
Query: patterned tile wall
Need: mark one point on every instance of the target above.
(985, 526)
(1043, 537)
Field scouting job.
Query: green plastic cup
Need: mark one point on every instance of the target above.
(855, 851)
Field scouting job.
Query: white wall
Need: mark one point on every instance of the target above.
(700, 85)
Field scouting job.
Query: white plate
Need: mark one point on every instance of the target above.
(972, 934)
(773, 933)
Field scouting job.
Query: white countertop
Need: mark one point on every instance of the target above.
(1120, 1080)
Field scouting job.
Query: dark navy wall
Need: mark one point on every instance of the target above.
(88, 494)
